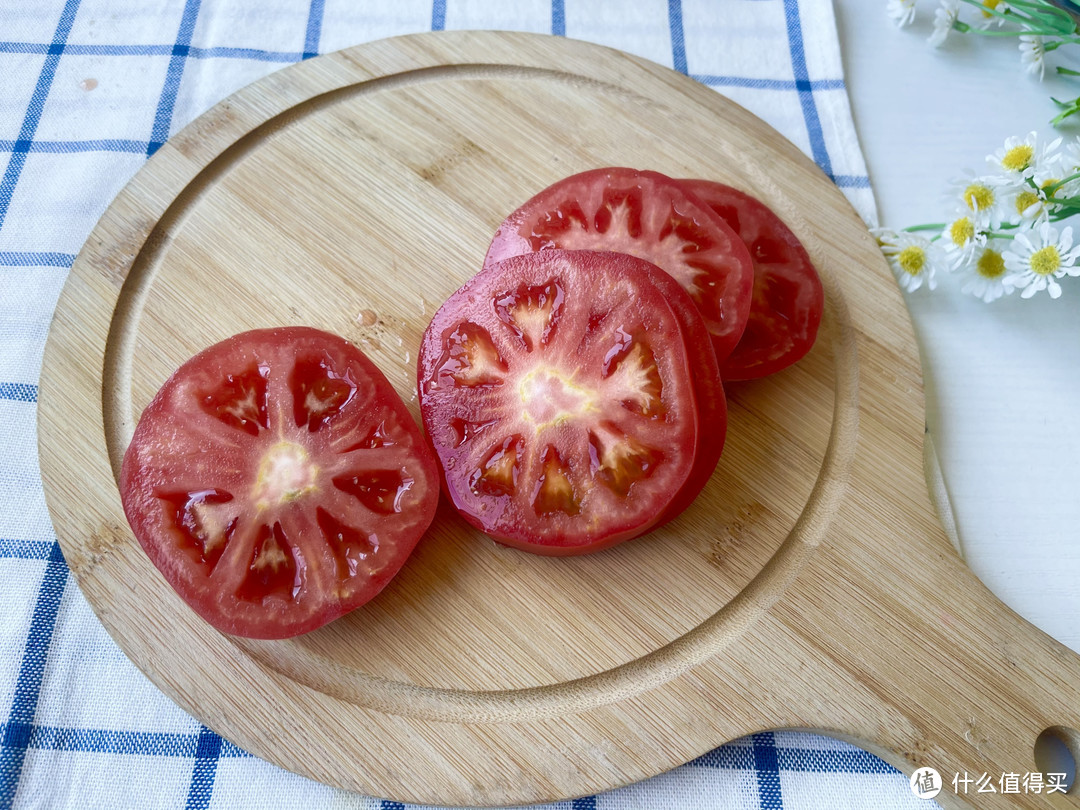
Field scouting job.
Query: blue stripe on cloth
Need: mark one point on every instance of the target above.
(766, 84)
(107, 741)
(438, 15)
(767, 765)
(851, 180)
(558, 18)
(802, 83)
(12, 258)
(678, 39)
(389, 805)
(732, 757)
(36, 107)
(314, 28)
(19, 392)
(207, 753)
(175, 72)
(221, 52)
(23, 47)
(216, 52)
(113, 742)
(228, 750)
(19, 726)
(67, 147)
(584, 803)
(805, 759)
(24, 550)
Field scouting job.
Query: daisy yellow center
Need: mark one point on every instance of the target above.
(1018, 158)
(979, 197)
(990, 265)
(1024, 201)
(961, 231)
(1045, 261)
(912, 259)
(990, 5)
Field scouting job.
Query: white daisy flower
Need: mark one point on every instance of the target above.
(901, 12)
(1024, 203)
(1025, 157)
(1033, 55)
(914, 258)
(984, 276)
(944, 17)
(1069, 165)
(961, 239)
(977, 197)
(1039, 257)
(1070, 157)
(988, 18)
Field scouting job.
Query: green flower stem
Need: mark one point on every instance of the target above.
(929, 226)
(1032, 31)
(1047, 18)
(1057, 18)
(1052, 189)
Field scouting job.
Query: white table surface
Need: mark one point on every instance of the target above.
(1002, 379)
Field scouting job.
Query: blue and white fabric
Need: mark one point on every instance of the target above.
(89, 89)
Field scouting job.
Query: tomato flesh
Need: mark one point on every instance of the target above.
(788, 297)
(278, 481)
(708, 392)
(556, 390)
(648, 215)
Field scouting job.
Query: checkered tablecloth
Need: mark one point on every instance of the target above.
(89, 89)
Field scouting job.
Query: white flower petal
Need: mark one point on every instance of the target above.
(1065, 240)
(944, 17)
(1022, 237)
(902, 12)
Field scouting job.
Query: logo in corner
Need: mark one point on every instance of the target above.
(926, 783)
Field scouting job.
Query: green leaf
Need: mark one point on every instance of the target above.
(1067, 108)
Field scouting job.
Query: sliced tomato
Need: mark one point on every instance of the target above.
(708, 392)
(557, 391)
(648, 215)
(278, 481)
(788, 297)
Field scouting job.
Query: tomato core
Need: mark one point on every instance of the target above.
(551, 398)
(285, 474)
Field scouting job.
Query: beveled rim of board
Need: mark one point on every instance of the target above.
(106, 286)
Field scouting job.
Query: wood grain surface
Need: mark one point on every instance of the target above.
(810, 586)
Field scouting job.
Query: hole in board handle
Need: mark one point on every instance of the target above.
(1055, 756)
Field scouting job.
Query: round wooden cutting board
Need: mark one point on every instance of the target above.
(810, 586)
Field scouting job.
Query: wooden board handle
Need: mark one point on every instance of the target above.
(934, 670)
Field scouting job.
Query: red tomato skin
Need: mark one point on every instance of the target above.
(708, 393)
(723, 297)
(788, 298)
(165, 441)
(507, 520)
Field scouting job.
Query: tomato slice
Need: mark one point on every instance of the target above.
(556, 390)
(708, 391)
(648, 215)
(788, 296)
(278, 481)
